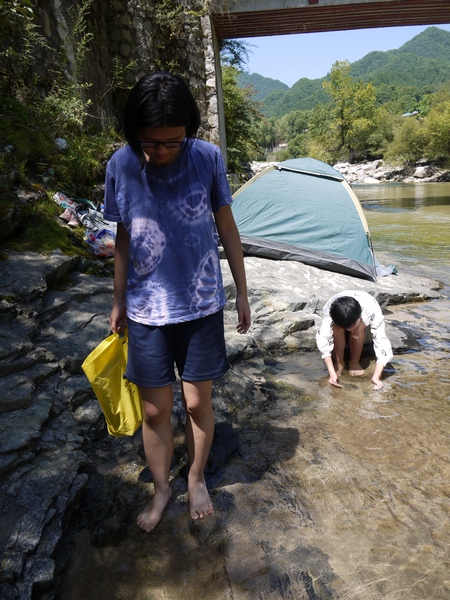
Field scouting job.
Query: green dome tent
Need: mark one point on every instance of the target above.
(303, 209)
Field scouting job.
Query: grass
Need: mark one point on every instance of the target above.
(31, 161)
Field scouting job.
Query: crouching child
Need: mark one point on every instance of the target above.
(353, 318)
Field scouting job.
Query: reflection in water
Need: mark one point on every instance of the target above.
(403, 195)
(336, 493)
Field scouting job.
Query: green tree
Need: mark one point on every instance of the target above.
(297, 147)
(234, 53)
(293, 129)
(426, 135)
(40, 106)
(267, 138)
(293, 124)
(385, 123)
(19, 38)
(437, 127)
(349, 116)
(242, 121)
(425, 104)
(322, 147)
(410, 140)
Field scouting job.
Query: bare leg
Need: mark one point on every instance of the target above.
(339, 349)
(199, 436)
(158, 445)
(356, 343)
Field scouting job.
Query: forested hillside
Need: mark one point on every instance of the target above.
(263, 85)
(431, 43)
(422, 65)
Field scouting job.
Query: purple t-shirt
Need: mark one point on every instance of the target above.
(174, 267)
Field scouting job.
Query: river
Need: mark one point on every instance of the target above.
(412, 223)
(336, 493)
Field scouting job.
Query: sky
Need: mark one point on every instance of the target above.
(288, 58)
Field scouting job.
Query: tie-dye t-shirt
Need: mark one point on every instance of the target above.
(174, 267)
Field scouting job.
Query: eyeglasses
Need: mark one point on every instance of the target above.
(155, 144)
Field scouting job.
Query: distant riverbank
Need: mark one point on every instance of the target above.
(378, 171)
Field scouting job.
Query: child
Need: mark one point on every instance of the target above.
(168, 192)
(345, 318)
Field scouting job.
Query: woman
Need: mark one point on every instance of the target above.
(168, 193)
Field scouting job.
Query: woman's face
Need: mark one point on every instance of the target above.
(161, 145)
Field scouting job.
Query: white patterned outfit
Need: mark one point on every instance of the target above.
(372, 318)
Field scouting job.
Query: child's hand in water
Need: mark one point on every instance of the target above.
(334, 380)
(377, 383)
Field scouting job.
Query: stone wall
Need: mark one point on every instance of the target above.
(126, 39)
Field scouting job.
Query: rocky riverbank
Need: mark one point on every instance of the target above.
(378, 171)
(53, 443)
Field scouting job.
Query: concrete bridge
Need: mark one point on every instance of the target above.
(233, 19)
(255, 18)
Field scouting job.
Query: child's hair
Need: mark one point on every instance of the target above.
(159, 100)
(345, 311)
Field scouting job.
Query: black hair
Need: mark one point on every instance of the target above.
(159, 100)
(345, 311)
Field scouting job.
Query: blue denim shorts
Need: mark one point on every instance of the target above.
(196, 348)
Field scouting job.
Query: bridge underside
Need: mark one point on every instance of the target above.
(315, 17)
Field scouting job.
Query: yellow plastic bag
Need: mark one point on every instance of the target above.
(119, 398)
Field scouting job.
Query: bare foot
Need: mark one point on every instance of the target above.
(355, 369)
(151, 516)
(339, 367)
(200, 505)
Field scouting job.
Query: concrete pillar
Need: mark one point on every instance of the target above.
(214, 93)
(220, 108)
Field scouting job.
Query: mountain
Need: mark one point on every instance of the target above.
(431, 43)
(262, 85)
(303, 95)
(423, 63)
(408, 69)
(278, 99)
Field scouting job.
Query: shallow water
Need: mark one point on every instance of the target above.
(336, 493)
(411, 222)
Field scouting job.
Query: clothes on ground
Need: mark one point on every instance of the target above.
(99, 235)
(174, 265)
(372, 318)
